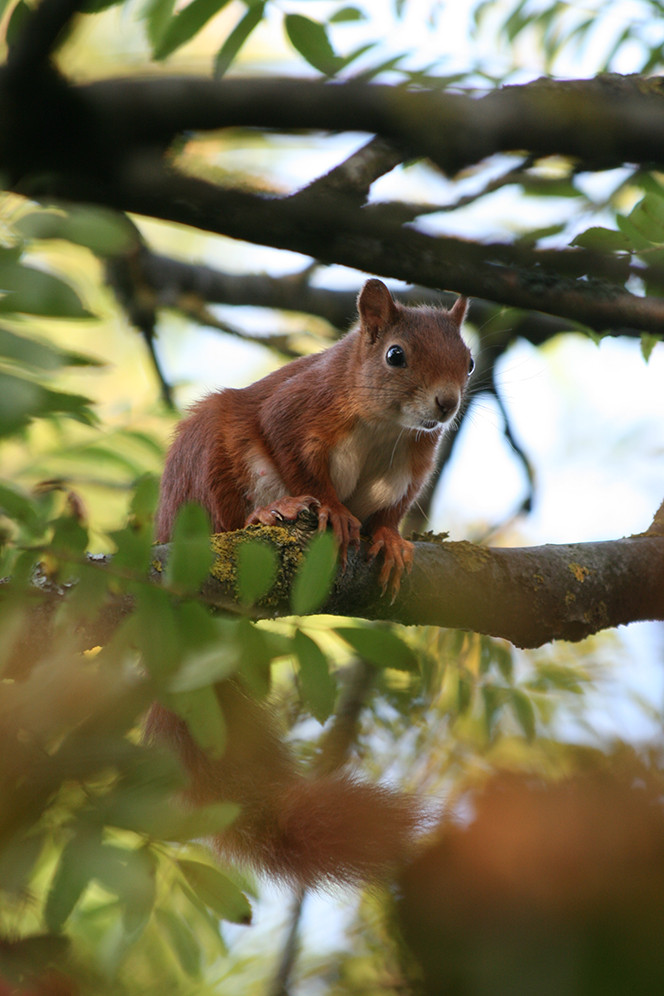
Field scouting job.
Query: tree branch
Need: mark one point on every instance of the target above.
(529, 596)
(604, 122)
(114, 134)
(334, 231)
(172, 283)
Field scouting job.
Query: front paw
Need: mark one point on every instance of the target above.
(283, 509)
(344, 525)
(397, 557)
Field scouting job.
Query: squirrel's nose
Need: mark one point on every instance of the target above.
(447, 403)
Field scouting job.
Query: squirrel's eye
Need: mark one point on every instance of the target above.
(471, 365)
(395, 356)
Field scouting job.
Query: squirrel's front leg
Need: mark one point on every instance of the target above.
(332, 514)
(397, 557)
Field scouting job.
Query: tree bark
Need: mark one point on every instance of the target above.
(529, 596)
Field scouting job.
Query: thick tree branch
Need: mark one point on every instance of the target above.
(333, 230)
(172, 283)
(528, 596)
(603, 122)
(114, 134)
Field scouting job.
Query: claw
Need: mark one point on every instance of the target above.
(285, 509)
(397, 558)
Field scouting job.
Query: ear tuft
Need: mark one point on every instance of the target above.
(376, 307)
(458, 310)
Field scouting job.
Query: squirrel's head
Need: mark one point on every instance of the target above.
(416, 358)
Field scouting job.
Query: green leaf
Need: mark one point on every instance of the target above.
(648, 343)
(255, 657)
(22, 400)
(101, 230)
(44, 355)
(78, 863)
(182, 942)
(17, 505)
(648, 216)
(380, 646)
(257, 565)
(17, 22)
(70, 538)
(157, 14)
(310, 39)
(185, 24)
(314, 579)
(216, 890)
(524, 712)
(155, 632)
(133, 548)
(317, 686)
(238, 36)
(204, 821)
(212, 650)
(145, 498)
(35, 292)
(202, 713)
(130, 875)
(636, 238)
(191, 555)
(347, 14)
(603, 240)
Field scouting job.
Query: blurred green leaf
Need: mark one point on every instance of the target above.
(257, 565)
(216, 890)
(146, 495)
(380, 646)
(603, 240)
(236, 39)
(202, 713)
(317, 686)
(33, 353)
(35, 292)
(17, 860)
(524, 713)
(154, 631)
(18, 505)
(79, 861)
(133, 548)
(346, 14)
(184, 25)
(182, 941)
(190, 557)
(70, 538)
(255, 652)
(17, 21)
(101, 230)
(648, 343)
(157, 14)
(212, 648)
(22, 400)
(131, 876)
(315, 577)
(310, 39)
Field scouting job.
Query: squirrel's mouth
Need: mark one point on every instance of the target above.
(430, 423)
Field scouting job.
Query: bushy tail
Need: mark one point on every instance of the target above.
(330, 829)
(334, 828)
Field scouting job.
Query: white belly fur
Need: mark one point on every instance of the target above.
(266, 484)
(368, 471)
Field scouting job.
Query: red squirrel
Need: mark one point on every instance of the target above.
(350, 432)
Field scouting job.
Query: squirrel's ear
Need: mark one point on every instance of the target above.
(376, 307)
(458, 310)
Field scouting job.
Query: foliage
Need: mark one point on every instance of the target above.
(101, 877)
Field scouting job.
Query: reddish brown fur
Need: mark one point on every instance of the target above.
(346, 430)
